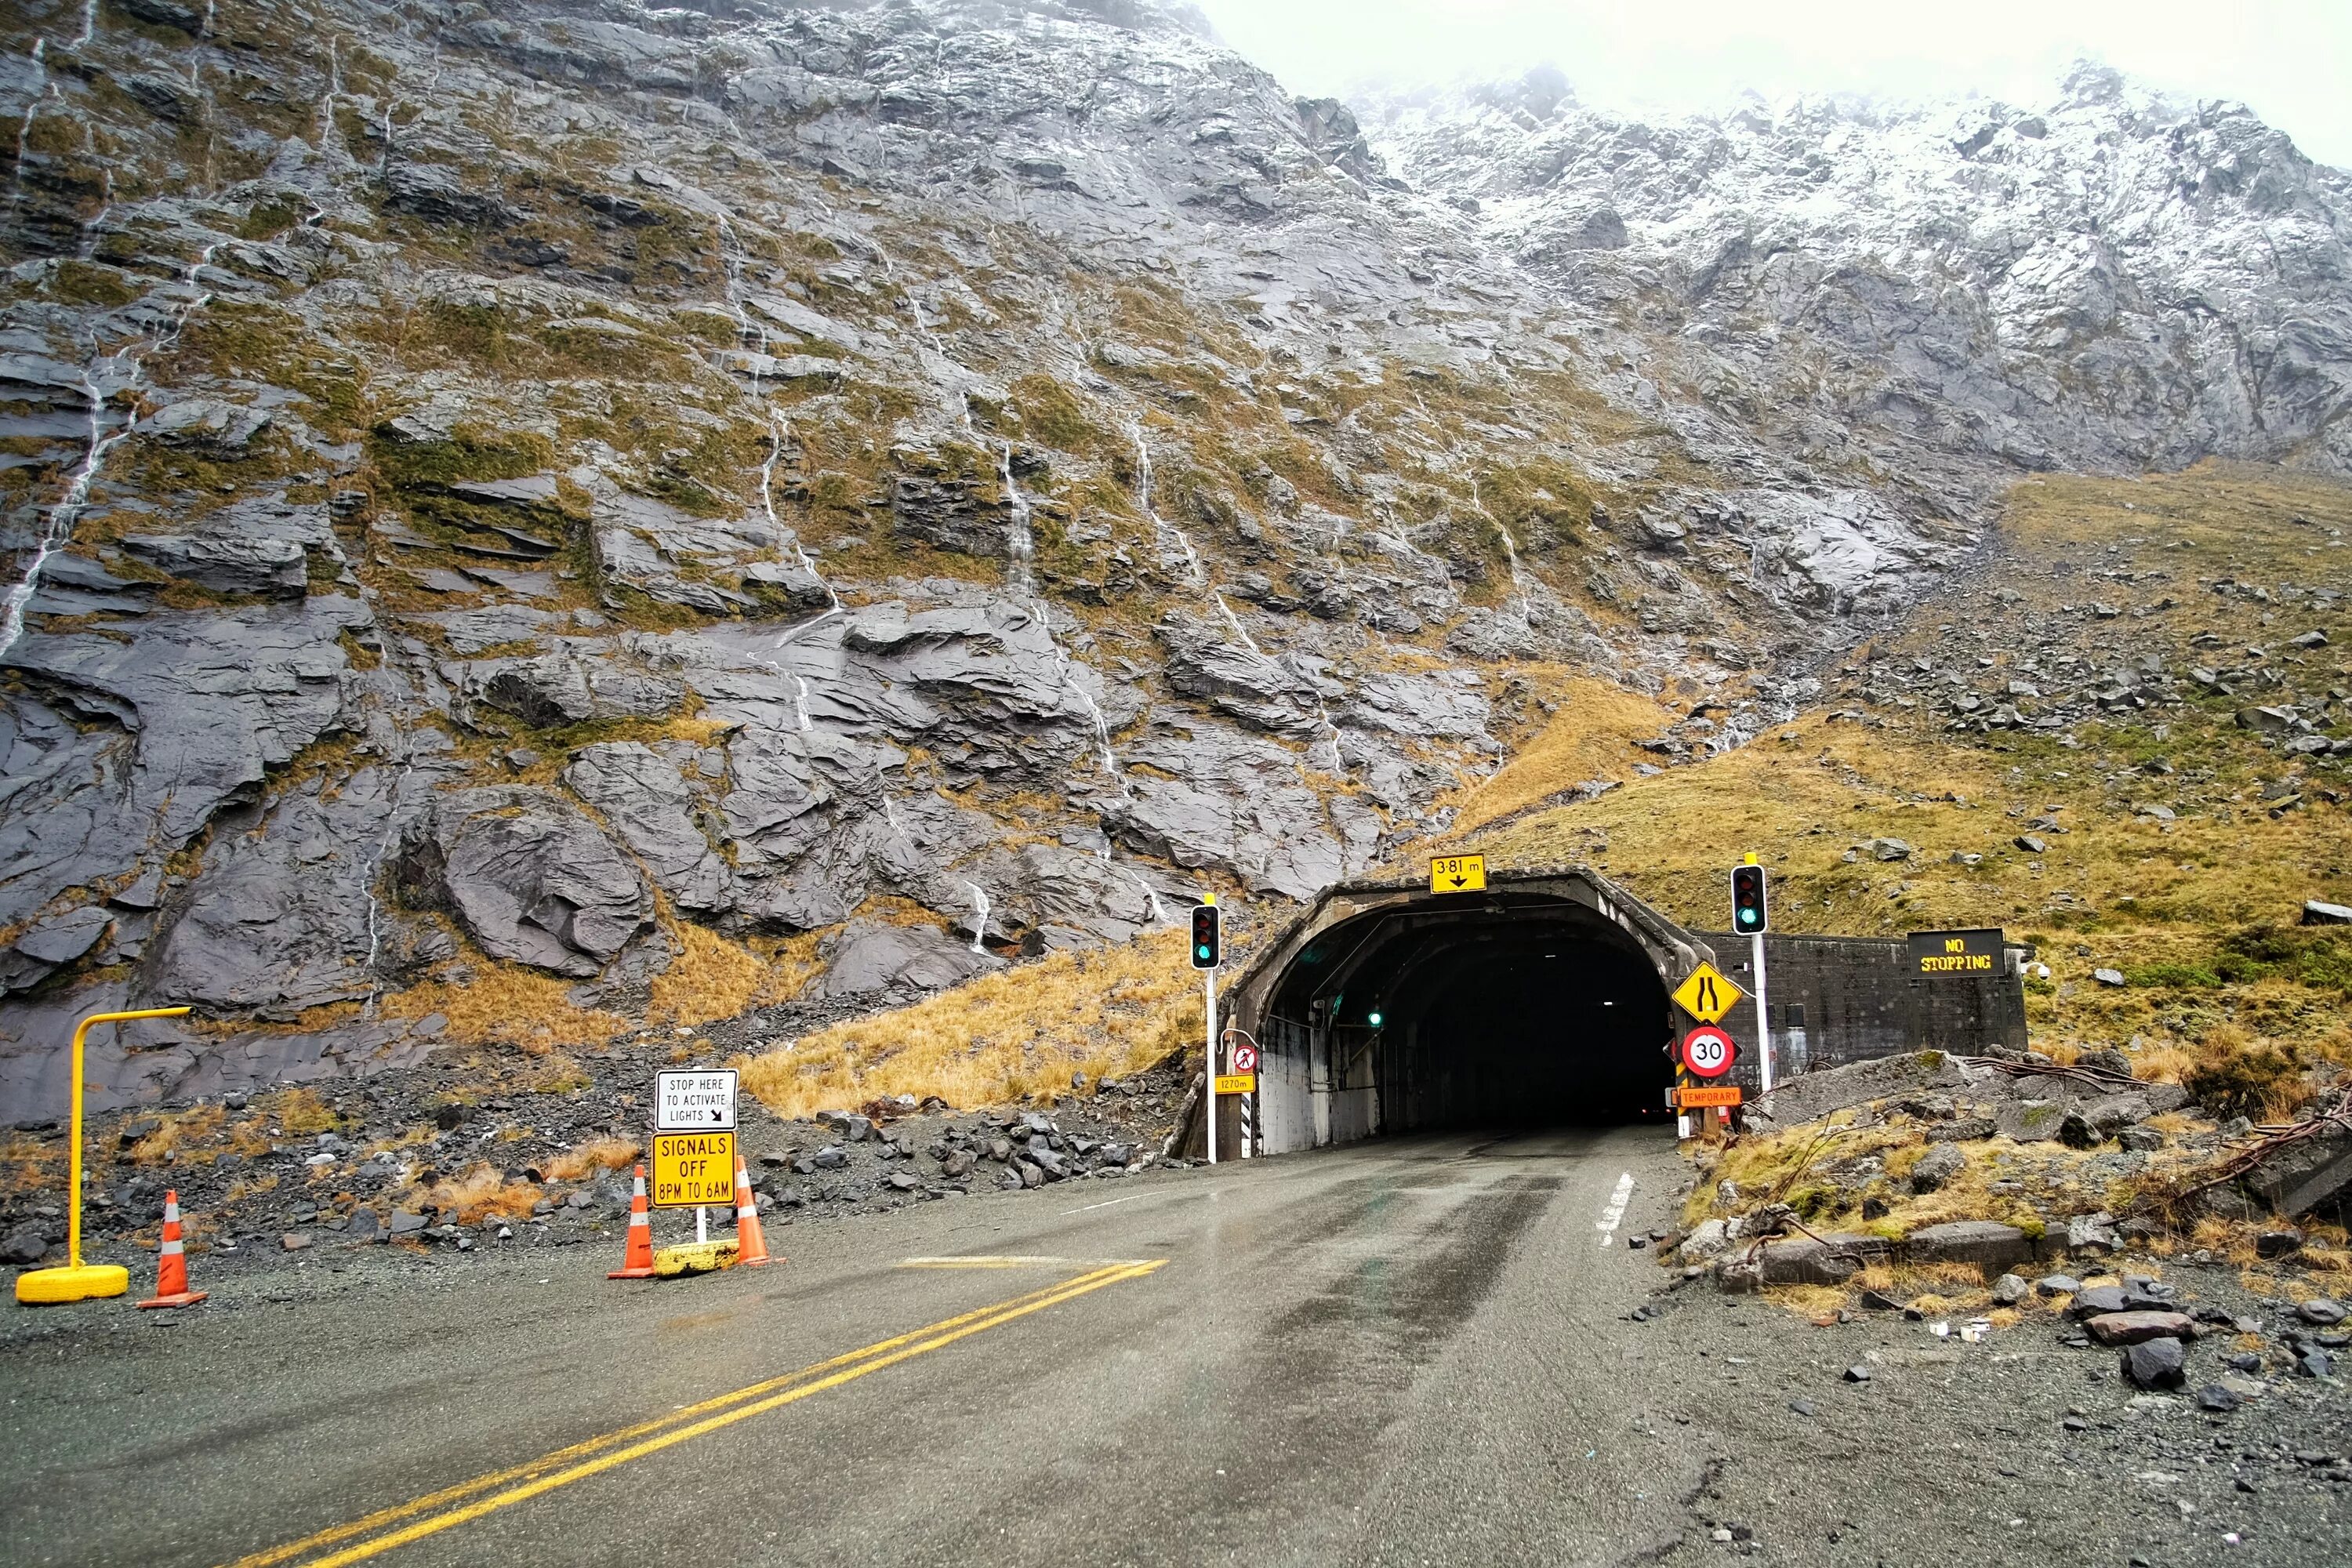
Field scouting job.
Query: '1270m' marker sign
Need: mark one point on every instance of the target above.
(1939, 953)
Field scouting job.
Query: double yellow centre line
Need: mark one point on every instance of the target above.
(469, 1501)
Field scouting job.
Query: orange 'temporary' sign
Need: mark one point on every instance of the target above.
(1698, 1099)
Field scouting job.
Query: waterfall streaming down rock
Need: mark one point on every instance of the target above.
(130, 363)
(1094, 708)
(1197, 573)
(1234, 621)
(1023, 541)
(979, 915)
(32, 108)
(779, 428)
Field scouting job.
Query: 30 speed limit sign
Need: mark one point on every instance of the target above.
(1707, 1052)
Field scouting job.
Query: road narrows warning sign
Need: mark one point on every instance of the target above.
(699, 1102)
(1458, 874)
(1708, 994)
(692, 1169)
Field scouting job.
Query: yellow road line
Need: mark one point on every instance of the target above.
(597, 1454)
(1021, 1260)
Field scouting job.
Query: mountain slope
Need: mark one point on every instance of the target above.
(581, 504)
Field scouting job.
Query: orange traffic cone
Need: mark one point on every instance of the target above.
(750, 1245)
(171, 1263)
(639, 1263)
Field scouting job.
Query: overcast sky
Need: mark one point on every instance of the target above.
(2290, 59)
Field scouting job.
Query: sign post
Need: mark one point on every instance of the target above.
(1706, 993)
(1750, 915)
(1208, 944)
(76, 1280)
(694, 1141)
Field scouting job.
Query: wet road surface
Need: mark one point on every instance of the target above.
(1406, 1351)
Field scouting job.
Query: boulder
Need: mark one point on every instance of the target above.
(1816, 1094)
(2156, 1364)
(868, 957)
(1830, 1259)
(2029, 1120)
(2131, 1328)
(2092, 1234)
(1205, 661)
(1988, 1243)
(531, 879)
(1938, 1165)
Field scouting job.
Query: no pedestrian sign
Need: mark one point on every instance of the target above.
(700, 1101)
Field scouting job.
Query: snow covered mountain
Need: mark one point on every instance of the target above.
(530, 489)
(2111, 279)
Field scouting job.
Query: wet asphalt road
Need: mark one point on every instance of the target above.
(1414, 1352)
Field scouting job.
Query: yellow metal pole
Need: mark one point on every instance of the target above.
(74, 1283)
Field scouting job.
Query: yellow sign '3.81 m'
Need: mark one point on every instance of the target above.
(1458, 874)
(693, 1168)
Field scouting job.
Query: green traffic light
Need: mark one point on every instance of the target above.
(1374, 1020)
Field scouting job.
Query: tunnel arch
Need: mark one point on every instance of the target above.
(1541, 1000)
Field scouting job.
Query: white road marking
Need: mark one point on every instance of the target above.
(1615, 1211)
(1107, 1202)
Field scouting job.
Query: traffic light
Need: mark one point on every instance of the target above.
(1204, 936)
(1747, 912)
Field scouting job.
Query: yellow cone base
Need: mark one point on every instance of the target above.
(184, 1299)
(54, 1287)
(694, 1257)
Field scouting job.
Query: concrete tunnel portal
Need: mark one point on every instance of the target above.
(1387, 1008)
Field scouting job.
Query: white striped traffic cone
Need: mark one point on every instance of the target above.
(751, 1242)
(172, 1262)
(638, 1264)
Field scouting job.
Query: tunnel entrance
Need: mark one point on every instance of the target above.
(1391, 1009)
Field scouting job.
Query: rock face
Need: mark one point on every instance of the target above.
(752, 531)
(1936, 277)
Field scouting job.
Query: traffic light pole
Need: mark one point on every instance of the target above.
(1763, 1014)
(1209, 1061)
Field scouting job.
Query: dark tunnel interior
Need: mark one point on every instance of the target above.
(1498, 1017)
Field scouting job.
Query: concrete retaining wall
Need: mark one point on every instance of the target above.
(1855, 1000)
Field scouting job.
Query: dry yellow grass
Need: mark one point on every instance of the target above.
(180, 1130)
(712, 977)
(503, 1003)
(29, 1166)
(479, 1193)
(300, 1111)
(1595, 734)
(583, 1161)
(1022, 1031)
